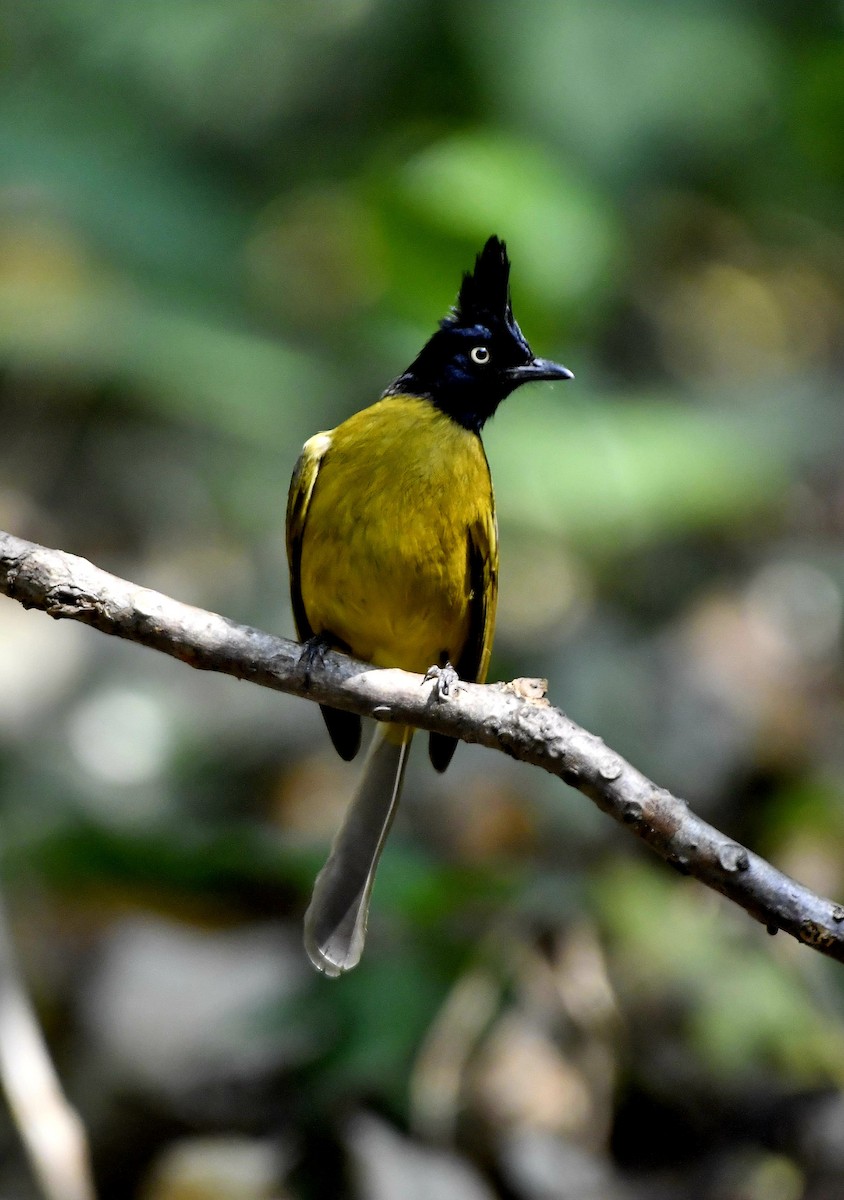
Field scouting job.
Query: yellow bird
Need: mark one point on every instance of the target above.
(393, 550)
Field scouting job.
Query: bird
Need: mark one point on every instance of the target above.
(392, 545)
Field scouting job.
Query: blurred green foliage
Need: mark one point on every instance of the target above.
(226, 225)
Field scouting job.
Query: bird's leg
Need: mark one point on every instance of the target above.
(445, 678)
(313, 653)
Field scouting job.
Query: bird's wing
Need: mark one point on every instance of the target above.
(344, 728)
(298, 501)
(482, 553)
(473, 663)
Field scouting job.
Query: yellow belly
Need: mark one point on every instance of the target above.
(384, 564)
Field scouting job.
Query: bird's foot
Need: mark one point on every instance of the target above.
(445, 679)
(312, 654)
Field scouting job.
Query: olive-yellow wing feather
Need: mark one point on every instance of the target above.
(344, 728)
(482, 576)
(298, 501)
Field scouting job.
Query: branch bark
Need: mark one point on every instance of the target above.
(513, 717)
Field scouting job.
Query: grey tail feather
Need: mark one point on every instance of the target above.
(335, 923)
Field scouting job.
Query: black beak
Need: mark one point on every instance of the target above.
(537, 368)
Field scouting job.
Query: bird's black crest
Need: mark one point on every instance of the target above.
(478, 355)
(485, 292)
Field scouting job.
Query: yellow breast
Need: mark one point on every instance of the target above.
(385, 564)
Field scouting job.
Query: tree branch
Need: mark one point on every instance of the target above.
(513, 717)
(50, 1128)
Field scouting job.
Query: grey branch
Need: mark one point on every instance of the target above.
(513, 717)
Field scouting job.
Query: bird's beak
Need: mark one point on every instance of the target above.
(537, 368)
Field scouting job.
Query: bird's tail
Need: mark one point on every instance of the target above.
(335, 923)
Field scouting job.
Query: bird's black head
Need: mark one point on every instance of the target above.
(478, 355)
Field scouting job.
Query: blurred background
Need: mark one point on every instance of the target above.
(225, 225)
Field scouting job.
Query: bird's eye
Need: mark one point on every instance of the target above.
(479, 355)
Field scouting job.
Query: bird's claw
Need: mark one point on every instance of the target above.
(312, 654)
(446, 680)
